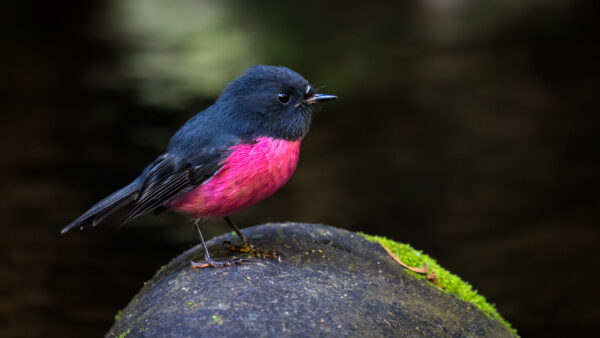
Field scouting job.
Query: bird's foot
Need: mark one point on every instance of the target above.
(253, 251)
(209, 263)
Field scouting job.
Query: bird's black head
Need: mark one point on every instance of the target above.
(270, 101)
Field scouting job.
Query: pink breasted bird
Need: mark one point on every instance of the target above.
(231, 155)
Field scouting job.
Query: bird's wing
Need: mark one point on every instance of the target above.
(169, 175)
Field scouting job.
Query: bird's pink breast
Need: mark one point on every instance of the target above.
(251, 173)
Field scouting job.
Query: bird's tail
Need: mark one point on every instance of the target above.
(106, 207)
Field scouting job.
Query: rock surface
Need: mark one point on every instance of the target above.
(329, 282)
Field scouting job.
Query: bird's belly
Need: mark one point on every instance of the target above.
(251, 173)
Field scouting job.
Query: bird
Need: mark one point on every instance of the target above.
(229, 156)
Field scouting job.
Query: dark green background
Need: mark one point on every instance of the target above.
(464, 128)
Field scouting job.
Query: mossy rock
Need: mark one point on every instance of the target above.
(329, 282)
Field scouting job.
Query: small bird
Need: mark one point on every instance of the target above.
(229, 156)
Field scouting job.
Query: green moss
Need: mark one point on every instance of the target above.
(217, 320)
(124, 334)
(118, 315)
(451, 283)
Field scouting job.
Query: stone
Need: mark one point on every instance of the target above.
(329, 282)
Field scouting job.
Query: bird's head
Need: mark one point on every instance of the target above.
(270, 101)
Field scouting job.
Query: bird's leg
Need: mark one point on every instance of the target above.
(209, 262)
(238, 232)
(246, 246)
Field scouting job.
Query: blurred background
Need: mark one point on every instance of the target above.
(465, 128)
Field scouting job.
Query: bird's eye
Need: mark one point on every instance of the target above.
(284, 97)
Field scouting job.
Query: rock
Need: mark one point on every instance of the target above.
(329, 282)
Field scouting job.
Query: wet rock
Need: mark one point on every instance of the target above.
(329, 282)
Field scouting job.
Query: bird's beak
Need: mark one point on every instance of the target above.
(320, 98)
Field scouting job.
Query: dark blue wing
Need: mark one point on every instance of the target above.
(169, 176)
